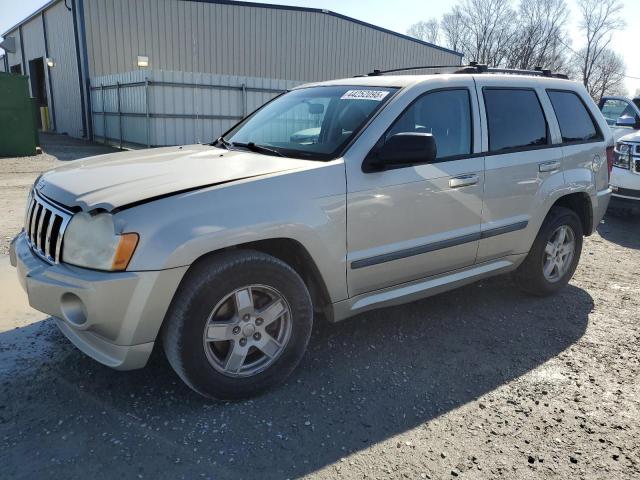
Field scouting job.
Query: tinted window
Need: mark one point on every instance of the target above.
(446, 115)
(576, 125)
(515, 119)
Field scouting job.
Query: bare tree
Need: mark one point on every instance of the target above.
(542, 36)
(607, 75)
(428, 31)
(482, 29)
(600, 18)
(453, 30)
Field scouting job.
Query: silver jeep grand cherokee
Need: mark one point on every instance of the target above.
(334, 198)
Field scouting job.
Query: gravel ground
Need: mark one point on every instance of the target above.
(481, 382)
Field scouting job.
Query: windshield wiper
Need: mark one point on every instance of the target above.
(221, 142)
(257, 148)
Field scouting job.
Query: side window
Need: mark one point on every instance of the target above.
(446, 114)
(612, 109)
(576, 124)
(515, 119)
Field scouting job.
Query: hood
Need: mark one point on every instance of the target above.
(118, 179)
(630, 137)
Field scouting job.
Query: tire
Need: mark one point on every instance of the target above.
(530, 276)
(206, 365)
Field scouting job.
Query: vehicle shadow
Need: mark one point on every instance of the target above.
(361, 382)
(624, 231)
(65, 148)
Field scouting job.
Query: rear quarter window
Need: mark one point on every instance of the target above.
(576, 123)
(515, 119)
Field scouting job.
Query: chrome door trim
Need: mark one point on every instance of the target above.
(549, 166)
(463, 180)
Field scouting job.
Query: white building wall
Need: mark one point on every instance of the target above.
(64, 75)
(64, 86)
(255, 41)
(183, 108)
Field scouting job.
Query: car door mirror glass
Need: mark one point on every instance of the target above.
(626, 121)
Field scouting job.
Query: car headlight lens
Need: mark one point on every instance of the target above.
(91, 241)
(622, 157)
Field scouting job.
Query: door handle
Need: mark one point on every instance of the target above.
(463, 181)
(549, 166)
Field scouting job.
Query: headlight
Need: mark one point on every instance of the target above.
(92, 242)
(621, 157)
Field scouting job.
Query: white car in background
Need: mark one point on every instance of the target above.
(622, 114)
(625, 175)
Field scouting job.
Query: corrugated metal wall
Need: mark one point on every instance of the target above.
(33, 36)
(64, 75)
(183, 107)
(221, 44)
(195, 36)
(15, 58)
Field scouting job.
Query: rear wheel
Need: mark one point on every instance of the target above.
(555, 253)
(239, 325)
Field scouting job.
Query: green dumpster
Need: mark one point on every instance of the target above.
(18, 125)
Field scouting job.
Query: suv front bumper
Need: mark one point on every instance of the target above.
(114, 317)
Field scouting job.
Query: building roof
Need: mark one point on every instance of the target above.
(30, 17)
(274, 7)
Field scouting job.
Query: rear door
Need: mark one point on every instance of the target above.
(523, 163)
(583, 142)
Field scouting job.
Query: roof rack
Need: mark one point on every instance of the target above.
(377, 72)
(475, 67)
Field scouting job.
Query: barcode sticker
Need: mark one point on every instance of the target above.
(376, 95)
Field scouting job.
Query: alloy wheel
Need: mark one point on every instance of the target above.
(247, 331)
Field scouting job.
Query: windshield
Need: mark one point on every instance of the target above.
(311, 123)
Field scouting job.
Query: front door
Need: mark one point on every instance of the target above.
(419, 220)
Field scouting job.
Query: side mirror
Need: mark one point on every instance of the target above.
(627, 121)
(403, 149)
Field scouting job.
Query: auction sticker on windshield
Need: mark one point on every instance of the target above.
(376, 95)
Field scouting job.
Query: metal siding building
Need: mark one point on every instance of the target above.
(209, 62)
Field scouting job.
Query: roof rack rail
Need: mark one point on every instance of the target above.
(377, 72)
(474, 67)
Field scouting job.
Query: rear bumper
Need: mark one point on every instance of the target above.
(600, 204)
(114, 317)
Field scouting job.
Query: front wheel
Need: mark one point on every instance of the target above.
(555, 253)
(239, 325)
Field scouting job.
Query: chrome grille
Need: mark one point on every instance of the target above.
(45, 225)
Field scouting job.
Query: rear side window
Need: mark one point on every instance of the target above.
(576, 124)
(515, 119)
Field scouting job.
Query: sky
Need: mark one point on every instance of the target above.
(399, 15)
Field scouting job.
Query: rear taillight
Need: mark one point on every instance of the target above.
(610, 158)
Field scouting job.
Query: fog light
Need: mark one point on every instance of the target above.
(73, 309)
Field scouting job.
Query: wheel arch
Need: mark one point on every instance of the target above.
(294, 254)
(580, 204)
